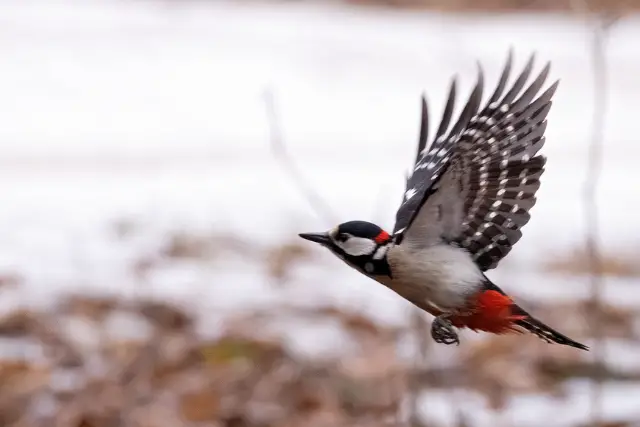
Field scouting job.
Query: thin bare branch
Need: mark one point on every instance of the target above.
(591, 209)
(381, 204)
(420, 330)
(600, 25)
(278, 147)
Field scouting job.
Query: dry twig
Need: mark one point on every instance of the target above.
(600, 26)
(279, 150)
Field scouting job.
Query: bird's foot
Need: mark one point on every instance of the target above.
(442, 331)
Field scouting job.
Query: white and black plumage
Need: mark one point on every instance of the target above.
(463, 209)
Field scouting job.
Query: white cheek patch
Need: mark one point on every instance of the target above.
(357, 246)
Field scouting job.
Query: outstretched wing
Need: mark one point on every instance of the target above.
(432, 161)
(482, 194)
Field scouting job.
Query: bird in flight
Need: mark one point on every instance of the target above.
(462, 211)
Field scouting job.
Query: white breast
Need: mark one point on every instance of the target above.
(441, 275)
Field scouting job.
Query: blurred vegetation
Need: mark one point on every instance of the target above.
(576, 263)
(244, 372)
(616, 7)
(499, 6)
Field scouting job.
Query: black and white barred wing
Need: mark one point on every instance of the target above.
(432, 161)
(490, 184)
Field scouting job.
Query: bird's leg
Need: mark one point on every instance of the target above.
(442, 331)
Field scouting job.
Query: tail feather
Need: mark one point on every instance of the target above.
(547, 333)
(533, 325)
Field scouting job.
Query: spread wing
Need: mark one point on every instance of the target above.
(431, 161)
(475, 187)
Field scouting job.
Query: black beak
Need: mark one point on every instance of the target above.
(322, 238)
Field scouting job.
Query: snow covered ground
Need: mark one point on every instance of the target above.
(153, 112)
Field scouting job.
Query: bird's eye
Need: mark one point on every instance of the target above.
(342, 237)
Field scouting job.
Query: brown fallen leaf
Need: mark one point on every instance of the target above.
(200, 406)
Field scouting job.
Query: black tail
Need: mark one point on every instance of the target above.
(547, 333)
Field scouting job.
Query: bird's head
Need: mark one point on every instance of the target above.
(360, 244)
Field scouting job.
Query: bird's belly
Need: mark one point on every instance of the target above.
(426, 294)
(443, 276)
(444, 296)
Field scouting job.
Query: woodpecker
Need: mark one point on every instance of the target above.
(462, 211)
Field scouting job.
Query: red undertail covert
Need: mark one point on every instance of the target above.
(493, 313)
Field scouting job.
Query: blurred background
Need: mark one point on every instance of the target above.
(150, 269)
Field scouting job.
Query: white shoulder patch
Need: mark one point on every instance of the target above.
(381, 252)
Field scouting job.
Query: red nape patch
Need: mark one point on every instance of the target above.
(493, 313)
(382, 237)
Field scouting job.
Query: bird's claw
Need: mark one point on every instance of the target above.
(442, 331)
